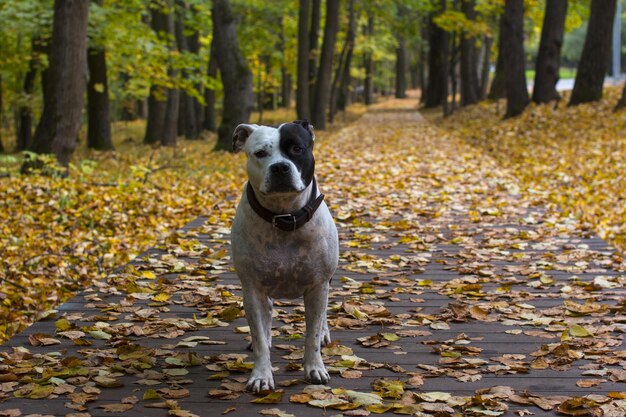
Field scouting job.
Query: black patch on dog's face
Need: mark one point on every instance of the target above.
(296, 144)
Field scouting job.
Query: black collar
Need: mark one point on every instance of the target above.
(289, 222)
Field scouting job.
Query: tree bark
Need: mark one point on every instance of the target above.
(344, 83)
(324, 75)
(187, 117)
(594, 61)
(437, 62)
(209, 122)
(368, 63)
(303, 108)
(469, 62)
(1, 111)
(621, 103)
(484, 72)
(157, 100)
(316, 13)
(549, 55)
(157, 107)
(498, 85)
(59, 126)
(343, 67)
(236, 76)
(98, 119)
(515, 74)
(401, 65)
(162, 124)
(25, 125)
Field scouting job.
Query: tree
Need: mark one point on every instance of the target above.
(324, 74)
(498, 85)
(438, 40)
(549, 55)
(162, 123)
(188, 123)
(339, 90)
(25, 124)
(209, 122)
(59, 126)
(316, 17)
(594, 62)
(98, 120)
(303, 105)
(401, 66)
(236, 76)
(514, 71)
(469, 63)
(368, 63)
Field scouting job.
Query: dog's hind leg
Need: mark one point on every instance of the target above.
(325, 332)
(258, 309)
(315, 302)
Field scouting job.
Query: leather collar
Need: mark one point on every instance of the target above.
(289, 222)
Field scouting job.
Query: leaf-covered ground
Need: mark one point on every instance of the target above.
(461, 292)
(575, 157)
(59, 235)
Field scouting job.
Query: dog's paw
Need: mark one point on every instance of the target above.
(316, 375)
(260, 381)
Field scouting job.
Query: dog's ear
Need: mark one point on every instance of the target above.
(307, 126)
(241, 135)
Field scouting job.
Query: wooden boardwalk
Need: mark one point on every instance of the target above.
(509, 311)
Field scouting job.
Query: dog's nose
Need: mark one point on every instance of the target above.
(280, 168)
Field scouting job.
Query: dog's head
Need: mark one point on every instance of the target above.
(280, 160)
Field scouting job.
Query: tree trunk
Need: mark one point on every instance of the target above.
(549, 55)
(401, 68)
(469, 64)
(437, 63)
(316, 13)
(344, 83)
(98, 120)
(343, 69)
(303, 108)
(25, 125)
(514, 70)
(368, 63)
(324, 75)
(622, 100)
(236, 76)
(162, 124)
(209, 122)
(1, 112)
(484, 71)
(498, 85)
(60, 122)
(157, 107)
(594, 61)
(187, 117)
(285, 76)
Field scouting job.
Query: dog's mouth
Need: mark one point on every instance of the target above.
(282, 190)
(282, 186)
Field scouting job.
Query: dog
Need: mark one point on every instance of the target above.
(284, 242)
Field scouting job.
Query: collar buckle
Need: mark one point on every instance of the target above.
(284, 216)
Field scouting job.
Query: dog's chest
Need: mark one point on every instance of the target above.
(283, 264)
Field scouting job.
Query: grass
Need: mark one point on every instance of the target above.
(564, 73)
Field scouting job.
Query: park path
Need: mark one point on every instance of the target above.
(458, 293)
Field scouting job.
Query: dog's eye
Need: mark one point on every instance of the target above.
(260, 154)
(297, 150)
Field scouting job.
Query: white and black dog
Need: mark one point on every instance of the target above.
(284, 241)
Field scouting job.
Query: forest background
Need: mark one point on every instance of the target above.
(116, 115)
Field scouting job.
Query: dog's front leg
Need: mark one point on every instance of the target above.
(315, 302)
(258, 309)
